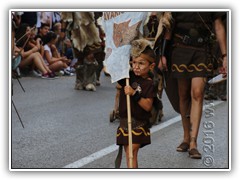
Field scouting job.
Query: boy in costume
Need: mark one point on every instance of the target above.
(141, 91)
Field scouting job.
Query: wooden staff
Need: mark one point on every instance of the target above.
(130, 156)
(26, 34)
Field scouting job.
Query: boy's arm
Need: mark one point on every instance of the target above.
(145, 103)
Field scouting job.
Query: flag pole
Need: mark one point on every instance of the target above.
(130, 156)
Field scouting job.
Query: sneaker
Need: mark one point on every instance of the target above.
(53, 75)
(67, 73)
(35, 73)
(61, 72)
(72, 70)
(47, 76)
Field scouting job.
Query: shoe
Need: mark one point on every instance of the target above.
(53, 75)
(48, 76)
(67, 73)
(194, 154)
(45, 76)
(72, 70)
(61, 73)
(35, 73)
(183, 147)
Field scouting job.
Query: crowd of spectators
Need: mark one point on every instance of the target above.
(39, 46)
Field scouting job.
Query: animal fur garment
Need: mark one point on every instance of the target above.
(138, 46)
(164, 21)
(83, 29)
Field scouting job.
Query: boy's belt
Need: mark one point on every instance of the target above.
(135, 123)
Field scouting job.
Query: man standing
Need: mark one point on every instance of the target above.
(191, 39)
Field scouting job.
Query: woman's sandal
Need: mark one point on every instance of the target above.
(183, 147)
(194, 154)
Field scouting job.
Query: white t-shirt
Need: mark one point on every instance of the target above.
(47, 48)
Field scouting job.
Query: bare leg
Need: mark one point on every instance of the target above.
(197, 93)
(44, 64)
(33, 58)
(135, 148)
(57, 66)
(184, 86)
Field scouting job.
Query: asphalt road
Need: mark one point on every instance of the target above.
(66, 128)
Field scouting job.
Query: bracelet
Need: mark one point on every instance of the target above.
(224, 55)
(137, 96)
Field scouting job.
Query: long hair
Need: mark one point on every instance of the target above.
(21, 31)
(49, 37)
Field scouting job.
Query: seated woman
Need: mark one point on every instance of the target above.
(52, 57)
(30, 54)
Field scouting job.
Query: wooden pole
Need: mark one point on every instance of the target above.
(130, 156)
(25, 34)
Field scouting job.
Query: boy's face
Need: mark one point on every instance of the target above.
(44, 30)
(141, 67)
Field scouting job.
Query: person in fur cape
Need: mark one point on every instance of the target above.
(85, 38)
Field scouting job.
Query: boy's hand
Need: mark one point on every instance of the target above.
(129, 90)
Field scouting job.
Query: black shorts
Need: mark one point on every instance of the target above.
(190, 62)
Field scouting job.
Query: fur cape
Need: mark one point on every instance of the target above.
(138, 46)
(165, 20)
(83, 29)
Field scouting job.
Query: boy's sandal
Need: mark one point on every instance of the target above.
(183, 147)
(194, 154)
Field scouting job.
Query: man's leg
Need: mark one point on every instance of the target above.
(197, 94)
(184, 86)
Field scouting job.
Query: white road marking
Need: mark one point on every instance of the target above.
(99, 154)
(92, 157)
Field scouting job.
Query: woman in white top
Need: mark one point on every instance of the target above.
(51, 56)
